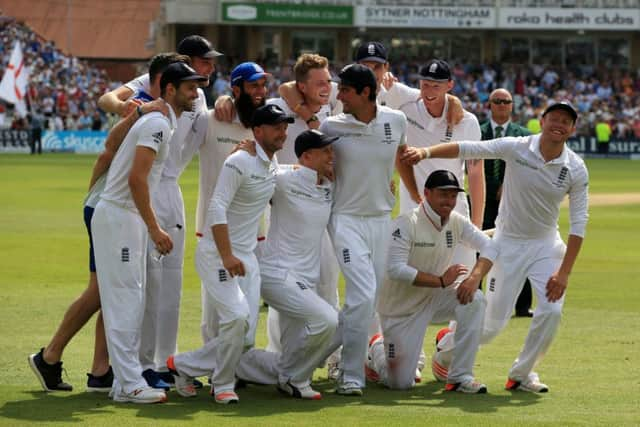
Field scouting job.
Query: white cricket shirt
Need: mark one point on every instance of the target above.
(287, 156)
(214, 140)
(152, 130)
(533, 189)
(174, 165)
(424, 130)
(245, 186)
(418, 245)
(300, 210)
(365, 160)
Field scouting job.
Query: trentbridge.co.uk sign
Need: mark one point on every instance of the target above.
(286, 14)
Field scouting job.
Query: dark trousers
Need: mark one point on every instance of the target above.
(36, 141)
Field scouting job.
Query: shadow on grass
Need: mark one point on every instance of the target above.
(255, 401)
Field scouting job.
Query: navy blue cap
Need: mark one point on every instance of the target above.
(564, 106)
(270, 114)
(443, 179)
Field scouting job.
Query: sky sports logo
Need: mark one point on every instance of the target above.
(81, 141)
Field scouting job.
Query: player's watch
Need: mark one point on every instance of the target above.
(313, 118)
(139, 111)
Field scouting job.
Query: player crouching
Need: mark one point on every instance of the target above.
(422, 288)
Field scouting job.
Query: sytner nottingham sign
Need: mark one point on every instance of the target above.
(286, 13)
(569, 18)
(425, 16)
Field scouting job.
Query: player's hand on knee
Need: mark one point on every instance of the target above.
(233, 265)
(453, 272)
(556, 286)
(466, 290)
(162, 240)
(224, 109)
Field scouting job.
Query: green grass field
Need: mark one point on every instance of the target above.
(593, 368)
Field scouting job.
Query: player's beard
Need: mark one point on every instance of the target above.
(245, 108)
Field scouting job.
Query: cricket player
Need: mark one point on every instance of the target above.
(370, 137)
(290, 270)
(215, 140)
(47, 364)
(123, 221)
(540, 171)
(164, 275)
(225, 259)
(313, 81)
(500, 124)
(420, 289)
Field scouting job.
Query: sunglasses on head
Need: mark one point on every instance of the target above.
(501, 101)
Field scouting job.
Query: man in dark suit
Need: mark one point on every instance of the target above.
(501, 105)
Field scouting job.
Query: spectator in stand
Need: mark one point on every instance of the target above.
(603, 135)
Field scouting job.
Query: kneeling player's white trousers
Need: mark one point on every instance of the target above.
(327, 288)
(361, 244)
(537, 260)
(236, 303)
(120, 245)
(164, 280)
(396, 361)
(308, 324)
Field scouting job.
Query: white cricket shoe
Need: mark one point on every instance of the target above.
(349, 389)
(532, 384)
(141, 395)
(300, 392)
(470, 387)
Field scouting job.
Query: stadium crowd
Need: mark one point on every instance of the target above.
(64, 90)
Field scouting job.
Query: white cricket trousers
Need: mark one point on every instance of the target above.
(164, 280)
(120, 246)
(236, 303)
(536, 259)
(395, 361)
(308, 324)
(361, 244)
(327, 288)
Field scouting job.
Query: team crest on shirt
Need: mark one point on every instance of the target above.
(448, 134)
(388, 135)
(562, 176)
(157, 137)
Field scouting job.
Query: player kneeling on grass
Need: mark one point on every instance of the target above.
(422, 287)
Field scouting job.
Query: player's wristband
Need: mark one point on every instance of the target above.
(427, 152)
(441, 282)
(313, 118)
(139, 111)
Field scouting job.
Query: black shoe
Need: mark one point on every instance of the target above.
(154, 381)
(525, 313)
(100, 384)
(50, 376)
